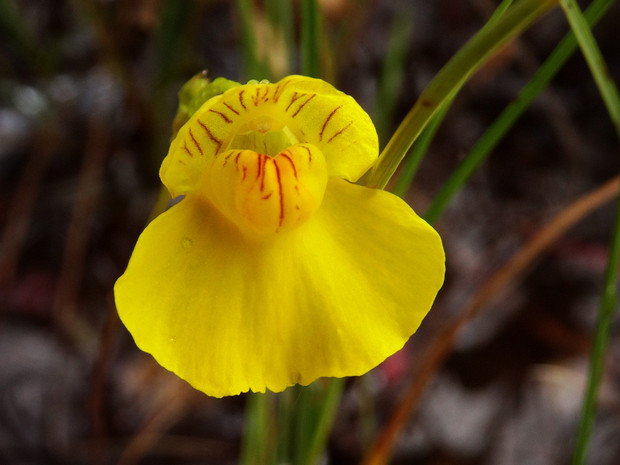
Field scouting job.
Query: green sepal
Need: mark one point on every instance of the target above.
(194, 93)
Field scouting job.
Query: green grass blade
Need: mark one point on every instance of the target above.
(256, 441)
(499, 11)
(310, 37)
(325, 419)
(489, 140)
(172, 39)
(412, 162)
(315, 413)
(608, 305)
(609, 297)
(280, 15)
(449, 80)
(595, 60)
(420, 148)
(392, 71)
(254, 68)
(285, 402)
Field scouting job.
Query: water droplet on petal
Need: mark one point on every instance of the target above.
(173, 339)
(187, 242)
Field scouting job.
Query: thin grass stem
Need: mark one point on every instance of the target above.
(595, 60)
(499, 11)
(418, 151)
(177, 22)
(310, 38)
(254, 68)
(286, 416)
(609, 296)
(607, 308)
(392, 71)
(325, 420)
(255, 447)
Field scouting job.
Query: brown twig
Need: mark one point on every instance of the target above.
(171, 407)
(78, 235)
(97, 399)
(497, 284)
(22, 205)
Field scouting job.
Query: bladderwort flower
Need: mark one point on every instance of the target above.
(275, 268)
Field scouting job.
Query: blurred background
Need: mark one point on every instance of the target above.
(87, 97)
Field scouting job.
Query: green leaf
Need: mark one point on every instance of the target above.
(194, 93)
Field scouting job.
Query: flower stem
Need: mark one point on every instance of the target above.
(595, 60)
(310, 25)
(256, 445)
(324, 418)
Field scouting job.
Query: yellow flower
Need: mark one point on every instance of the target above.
(275, 268)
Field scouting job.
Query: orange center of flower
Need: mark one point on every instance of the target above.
(269, 186)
